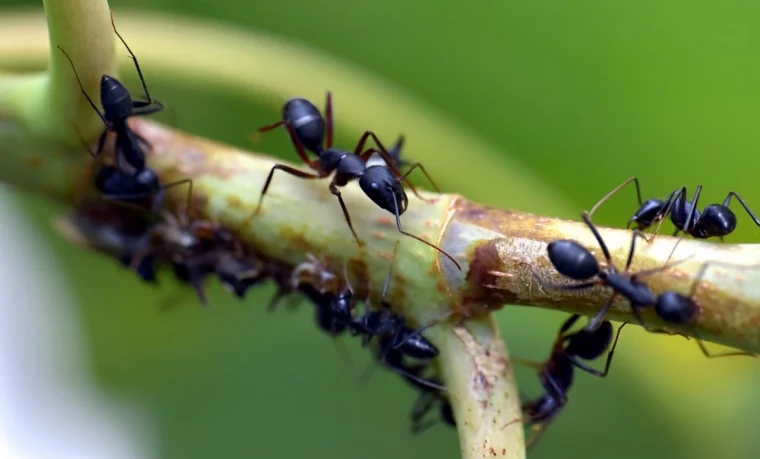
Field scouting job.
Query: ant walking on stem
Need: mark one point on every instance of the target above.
(576, 262)
(118, 106)
(308, 130)
(715, 220)
(129, 179)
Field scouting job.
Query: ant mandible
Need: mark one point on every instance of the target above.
(382, 184)
(576, 262)
(557, 373)
(118, 106)
(716, 220)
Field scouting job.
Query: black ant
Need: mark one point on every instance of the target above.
(557, 373)
(382, 184)
(118, 106)
(573, 260)
(716, 220)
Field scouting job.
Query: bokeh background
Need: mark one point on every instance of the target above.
(561, 102)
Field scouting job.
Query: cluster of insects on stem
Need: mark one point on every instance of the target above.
(128, 220)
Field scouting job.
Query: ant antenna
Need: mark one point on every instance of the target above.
(398, 225)
(81, 87)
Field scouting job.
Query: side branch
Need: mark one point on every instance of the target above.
(504, 249)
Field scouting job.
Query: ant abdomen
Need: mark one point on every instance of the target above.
(307, 122)
(590, 344)
(717, 220)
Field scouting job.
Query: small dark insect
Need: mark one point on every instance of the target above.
(557, 373)
(118, 106)
(196, 249)
(715, 220)
(382, 184)
(573, 260)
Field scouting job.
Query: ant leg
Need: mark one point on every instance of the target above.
(633, 179)
(142, 108)
(586, 219)
(189, 195)
(552, 286)
(689, 223)
(424, 171)
(709, 355)
(363, 139)
(334, 190)
(134, 59)
(387, 282)
(527, 363)
(269, 127)
(290, 170)
(599, 317)
(677, 198)
(640, 320)
(422, 381)
(538, 432)
(101, 144)
(727, 201)
(312, 163)
(568, 323)
(328, 120)
(81, 87)
(607, 364)
(421, 407)
(398, 226)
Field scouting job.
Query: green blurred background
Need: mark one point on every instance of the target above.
(584, 94)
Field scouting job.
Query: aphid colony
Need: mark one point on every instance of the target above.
(130, 223)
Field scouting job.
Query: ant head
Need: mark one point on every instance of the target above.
(572, 260)
(115, 98)
(590, 344)
(648, 214)
(379, 184)
(675, 308)
(307, 122)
